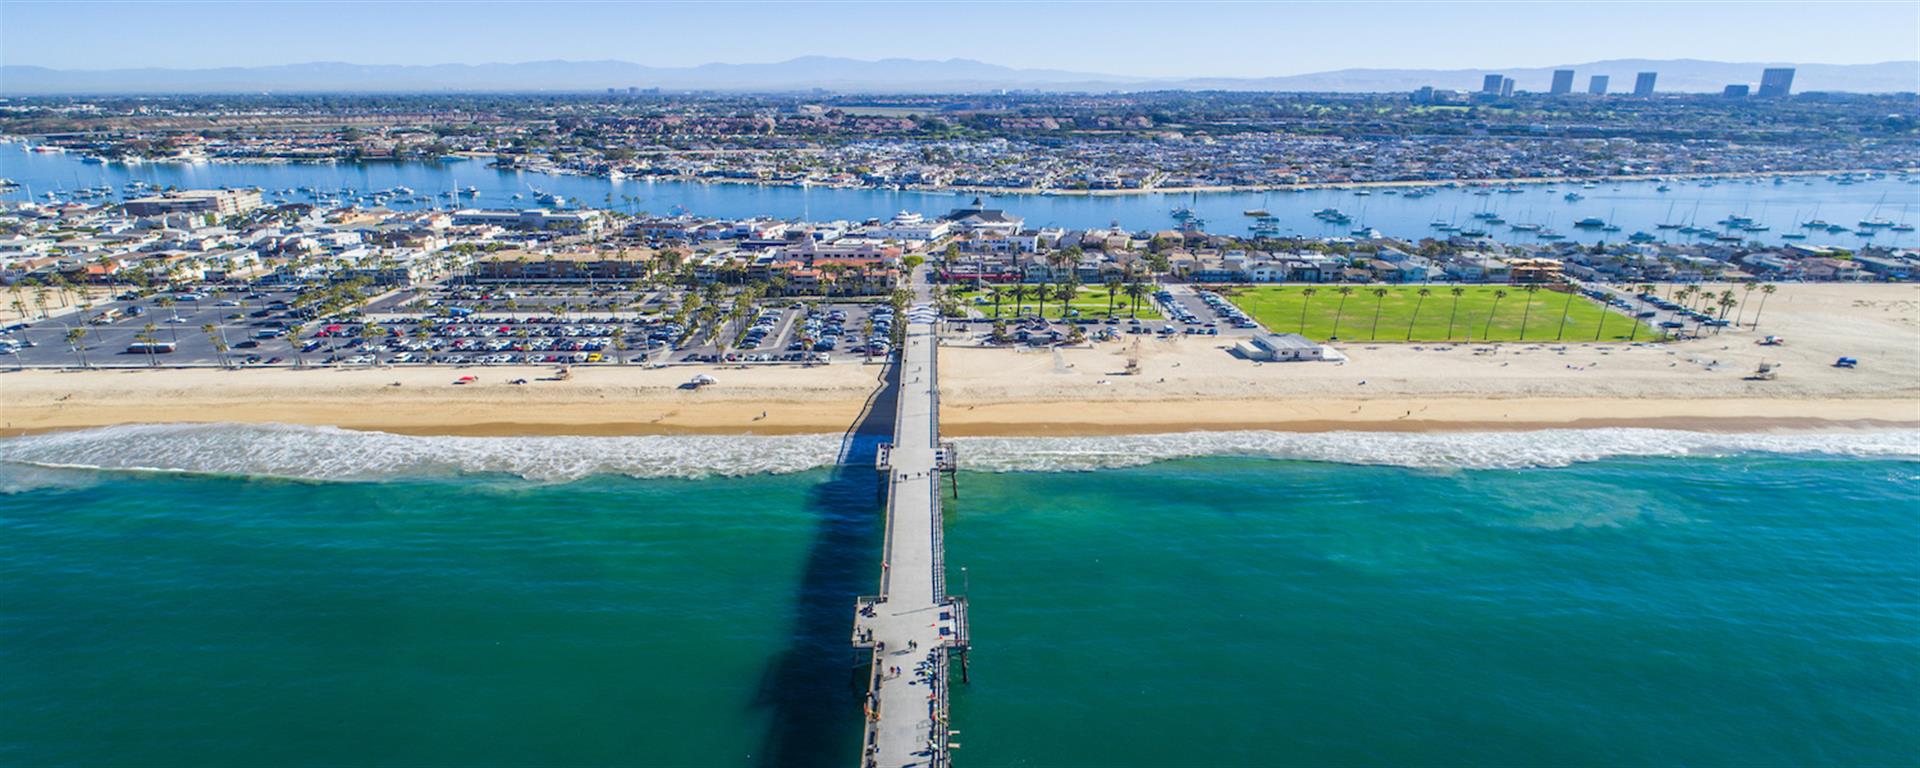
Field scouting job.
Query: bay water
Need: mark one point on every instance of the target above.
(1632, 205)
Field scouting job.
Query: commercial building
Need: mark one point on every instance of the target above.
(220, 202)
(1506, 86)
(1491, 84)
(1562, 83)
(1598, 85)
(530, 219)
(1776, 82)
(1643, 83)
(1735, 91)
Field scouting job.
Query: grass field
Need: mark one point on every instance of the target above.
(1477, 315)
(1091, 302)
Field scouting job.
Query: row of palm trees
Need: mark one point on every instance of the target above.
(1453, 314)
(1064, 294)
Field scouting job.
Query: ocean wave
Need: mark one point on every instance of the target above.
(326, 453)
(1423, 450)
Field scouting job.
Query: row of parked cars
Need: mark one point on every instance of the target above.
(1227, 311)
(1680, 310)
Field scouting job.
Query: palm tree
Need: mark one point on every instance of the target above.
(1457, 292)
(1423, 293)
(1340, 310)
(1487, 332)
(1565, 308)
(1067, 293)
(1019, 292)
(1726, 303)
(1379, 298)
(146, 337)
(1528, 312)
(1136, 291)
(1041, 293)
(76, 339)
(1308, 294)
(1113, 289)
(619, 345)
(213, 334)
(1765, 291)
(293, 340)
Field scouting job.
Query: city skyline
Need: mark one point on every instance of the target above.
(1140, 39)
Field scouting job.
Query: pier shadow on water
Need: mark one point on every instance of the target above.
(813, 687)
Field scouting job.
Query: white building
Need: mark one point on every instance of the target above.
(911, 227)
(1286, 347)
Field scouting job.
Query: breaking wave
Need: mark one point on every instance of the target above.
(327, 453)
(1426, 450)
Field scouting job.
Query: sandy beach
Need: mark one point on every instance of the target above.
(1184, 384)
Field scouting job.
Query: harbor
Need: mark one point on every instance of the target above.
(1536, 212)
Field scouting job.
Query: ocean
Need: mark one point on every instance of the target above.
(243, 596)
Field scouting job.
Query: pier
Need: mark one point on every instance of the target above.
(912, 626)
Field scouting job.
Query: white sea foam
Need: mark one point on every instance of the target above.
(325, 453)
(1461, 450)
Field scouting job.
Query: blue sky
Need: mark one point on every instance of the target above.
(1129, 38)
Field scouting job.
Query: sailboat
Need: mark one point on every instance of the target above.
(1872, 221)
(1667, 222)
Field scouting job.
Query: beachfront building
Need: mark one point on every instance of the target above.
(219, 202)
(1285, 348)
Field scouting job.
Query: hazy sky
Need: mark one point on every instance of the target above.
(1130, 38)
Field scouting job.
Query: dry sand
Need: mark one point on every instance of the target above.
(1185, 384)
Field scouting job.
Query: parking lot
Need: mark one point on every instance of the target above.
(441, 327)
(1187, 312)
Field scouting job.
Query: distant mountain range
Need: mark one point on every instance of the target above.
(898, 76)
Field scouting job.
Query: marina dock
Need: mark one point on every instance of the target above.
(912, 626)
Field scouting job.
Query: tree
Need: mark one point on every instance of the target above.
(1306, 299)
(1136, 291)
(76, 340)
(1565, 308)
(1422, 295)
(1041, 293)
(293, 340)
(1487, 332)
(1113, 289)
(146, 338)
(1341, 310)
(213, 334)
(1528, 312)
(1379, 299)
(1457, 292)
(1765, 291)
(996, 294)
(1066, 294)
(1019, 292)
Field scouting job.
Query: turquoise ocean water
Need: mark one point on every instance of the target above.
(1734, 603)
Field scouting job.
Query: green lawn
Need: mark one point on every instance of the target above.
(1091, 302)
(1475, 316)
